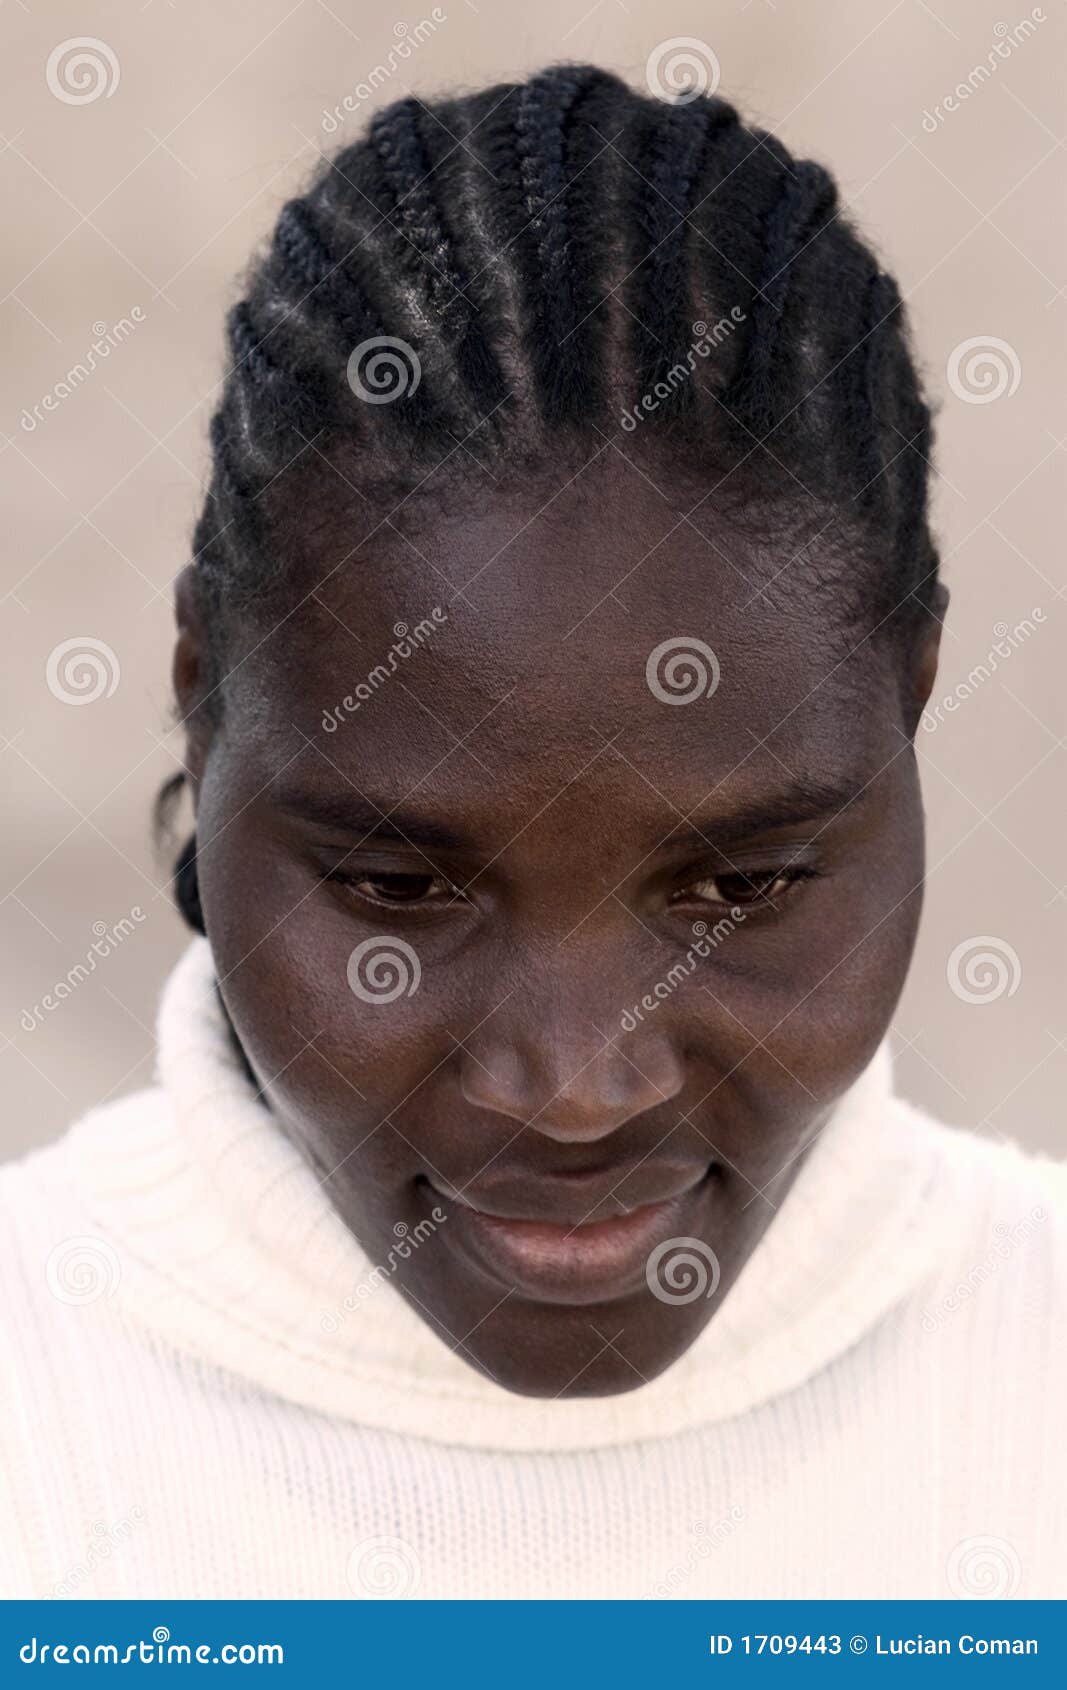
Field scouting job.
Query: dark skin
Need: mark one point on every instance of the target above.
(518, 807)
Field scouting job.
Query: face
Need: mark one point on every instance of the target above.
(547, 943)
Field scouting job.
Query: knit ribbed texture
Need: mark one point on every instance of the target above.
(208, 1392)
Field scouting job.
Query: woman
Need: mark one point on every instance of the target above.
(524, 1208)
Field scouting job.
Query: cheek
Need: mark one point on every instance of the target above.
(334, 1065)
(819, 995)
(339, 1027)
(338, 1018)
(794, 1012)
(832, 1022)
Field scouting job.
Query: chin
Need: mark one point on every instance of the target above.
(607, 1350)
(600, 1379)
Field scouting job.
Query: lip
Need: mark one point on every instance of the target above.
(577, 1260)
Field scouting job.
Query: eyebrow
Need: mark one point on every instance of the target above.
(807, 800)
(351, 813)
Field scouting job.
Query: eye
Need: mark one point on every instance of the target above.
(402, 889)
(759, 886)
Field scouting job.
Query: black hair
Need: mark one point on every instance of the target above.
(534, 262)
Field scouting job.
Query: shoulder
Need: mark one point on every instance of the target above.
(1003, 1225)
(998, 1169)
(64, 1343)
(54, 1241)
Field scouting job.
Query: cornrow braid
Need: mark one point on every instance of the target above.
(395, 135)
(545, 108)
(531, 261)
(806, 201)
(662, 283)
(912, 536)
(302, 247)
(883, 302)
(403, 137)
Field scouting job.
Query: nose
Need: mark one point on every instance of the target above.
(573, 1084)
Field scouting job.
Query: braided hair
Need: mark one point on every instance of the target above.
(533, 262)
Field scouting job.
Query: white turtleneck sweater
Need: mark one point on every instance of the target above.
(209, 1392)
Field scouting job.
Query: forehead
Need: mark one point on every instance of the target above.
(591, 627)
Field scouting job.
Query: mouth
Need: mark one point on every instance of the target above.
(591, 1259)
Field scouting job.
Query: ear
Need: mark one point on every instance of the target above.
(190, 672)
(924, 664)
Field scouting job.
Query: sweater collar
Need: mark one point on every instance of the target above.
(232, 1251)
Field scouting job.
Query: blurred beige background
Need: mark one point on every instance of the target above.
(126, 217)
